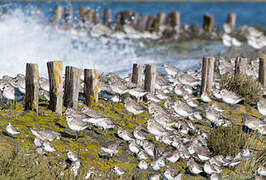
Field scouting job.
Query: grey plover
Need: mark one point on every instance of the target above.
(38, 142)
(208, 168)
(137, 92)
(252, 122)
(262, 107)
(139, 133)
(173, 156)
(154, 176)
(46, 134)
(133, 147)
(205, 97)
(214, 176)
(48, 147)
(118, 88)
(123, 134)
(72, 156)
(261, 171)
(230, 97)
(178, 90)
(188, 80)
(143, 165)
(44, 84)
(155, 128)
(151, 97)
(104, 123)
(182, 109)
(157, 164)
(119, 171)
(75, 166)
(170, 69)
(76, 125)
(111, 147)
(168, 174)
(160, 94)
(133, 107)
(193, 167)
(142, 155)
(11, 130)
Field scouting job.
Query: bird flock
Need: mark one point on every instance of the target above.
(171, 122)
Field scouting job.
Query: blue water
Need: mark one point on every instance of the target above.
(248, 13)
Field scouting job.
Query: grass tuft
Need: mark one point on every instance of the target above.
(244, 86)
(230, 140)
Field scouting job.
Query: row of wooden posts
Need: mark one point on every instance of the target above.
(152, 23)
(69, 95)
(208, 66)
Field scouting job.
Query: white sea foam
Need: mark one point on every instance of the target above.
(25, 39)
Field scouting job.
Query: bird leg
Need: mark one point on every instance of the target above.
(77, 135)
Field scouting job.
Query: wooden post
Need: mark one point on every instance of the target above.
(68, 17)
(208, 22)
(141, 24)
(150, 77)
(32, 87)
(231, 20)
(150, 23)
(240, 65)
(82, 14)
(173, 19)
(207, 74)
(90, 15)
(137, 74)
(58, 12)
(95, 17)
(71, 89)
(118, 18)
(56, 86)
(107, 17)
(160, 18)
(262, 71)
(159, 21)
(91, 86)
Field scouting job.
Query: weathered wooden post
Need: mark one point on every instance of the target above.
(141, 24)
(118, 17)
(159, 21)
(107, 17)
(91, 86)
(173, 19)
(240, 65)
(90, 15)
(150, 77)
(207, 74)
(71, 89)
(208, 22)
(95, 17)
(262, 71)
(150, 23)
(68, 17)
(58, 12)
(32, 87)
(56, 86)
(231, 20)
(82, 13)
(137, 74)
